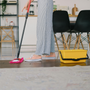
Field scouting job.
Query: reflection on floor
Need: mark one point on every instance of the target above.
(7, 54)
(11, 53)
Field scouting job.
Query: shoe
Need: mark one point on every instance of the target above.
(48, 57)
(33, 60)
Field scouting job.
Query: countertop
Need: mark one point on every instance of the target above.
(28, 15)
(36, 15)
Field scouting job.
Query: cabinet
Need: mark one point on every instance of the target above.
(30, 30)
(13, 9)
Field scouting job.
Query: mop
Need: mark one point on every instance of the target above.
(20, 60)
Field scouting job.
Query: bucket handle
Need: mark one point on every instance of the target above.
(73, 58)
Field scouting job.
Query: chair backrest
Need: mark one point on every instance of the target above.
(6, 33)
(83, 21)
(61, 21)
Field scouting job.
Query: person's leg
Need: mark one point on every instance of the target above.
(50, 40)
(41, 29)
(52, 49)
(52, 45)
(44, 28)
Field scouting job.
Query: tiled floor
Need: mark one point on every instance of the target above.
(7, 54)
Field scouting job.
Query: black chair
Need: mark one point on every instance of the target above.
(71, 37)
(61, 24)
(82, 25)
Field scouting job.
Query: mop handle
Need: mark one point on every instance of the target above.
(28, 6)
(23, 29)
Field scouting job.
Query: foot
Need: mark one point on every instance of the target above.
(51, 55)
(34, 57)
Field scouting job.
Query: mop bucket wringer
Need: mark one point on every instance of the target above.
(73, 56)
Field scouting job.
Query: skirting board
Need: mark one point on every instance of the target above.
(33, 47)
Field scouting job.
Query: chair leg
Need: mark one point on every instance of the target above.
(70, 40)
(1, 39)
(65, 41)
(56, 41)
(1, 51)
(57, 45)
(1, 44)
(13, 39)
(88, 40)
(76, 41)
(79, 41)
(12, 44)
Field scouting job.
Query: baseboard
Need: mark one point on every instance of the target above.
(33, 47)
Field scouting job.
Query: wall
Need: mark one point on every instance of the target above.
(81, 4)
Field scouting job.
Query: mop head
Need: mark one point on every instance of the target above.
(19, 60)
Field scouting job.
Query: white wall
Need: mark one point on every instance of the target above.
(22, 4)
(81, 4)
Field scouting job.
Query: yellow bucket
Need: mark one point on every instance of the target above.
(73, 56)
